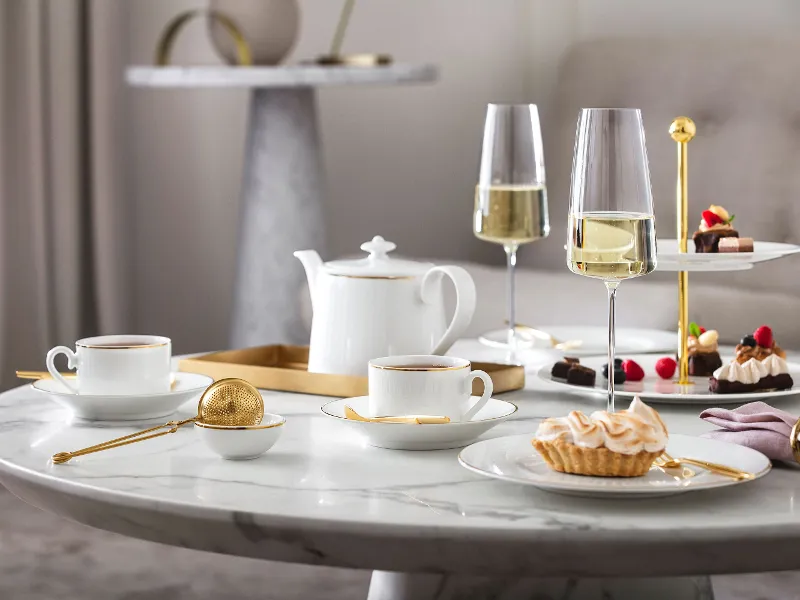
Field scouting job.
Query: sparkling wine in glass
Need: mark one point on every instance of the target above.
(511, 195)
(612, 233)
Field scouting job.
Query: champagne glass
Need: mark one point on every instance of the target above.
(612, 233)
(511, 195)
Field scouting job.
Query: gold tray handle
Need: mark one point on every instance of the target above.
(170, 34)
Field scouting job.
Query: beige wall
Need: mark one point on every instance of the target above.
(400, 161)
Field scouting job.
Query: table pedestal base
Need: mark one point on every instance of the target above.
(401, 586)
(281, 211)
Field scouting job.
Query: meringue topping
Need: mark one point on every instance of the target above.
(749, 372)
(775, 365)
(637, 429)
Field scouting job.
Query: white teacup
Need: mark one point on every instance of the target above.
(425, 385)
(116, 365)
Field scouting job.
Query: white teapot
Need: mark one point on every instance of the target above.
(378, 306)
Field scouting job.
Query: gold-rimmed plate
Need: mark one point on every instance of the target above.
(513, 459)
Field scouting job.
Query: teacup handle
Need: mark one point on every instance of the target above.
(488, 388)
(72, 363)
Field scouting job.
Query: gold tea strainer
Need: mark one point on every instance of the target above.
(228, 402)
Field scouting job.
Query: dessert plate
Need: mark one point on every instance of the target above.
(403, 436)
(669, 259)
(135, 407)
(513, 459)
(656, 390)
(595, 339)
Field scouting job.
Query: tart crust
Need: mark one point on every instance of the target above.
(599, 462)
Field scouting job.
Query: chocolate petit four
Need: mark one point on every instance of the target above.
(714, 226)
(704, 356)
(759, 365)
(574, 372)
(561, 368)
(735, 244)
(580, 375)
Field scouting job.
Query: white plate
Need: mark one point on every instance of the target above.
(669, 259)
(402, 436)
(515, 460)
(595, 339)
(188, 386)
(654, 389)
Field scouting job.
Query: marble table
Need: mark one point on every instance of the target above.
(282, 185)
(429, 528)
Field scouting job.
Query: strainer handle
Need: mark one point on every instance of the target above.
(173, 426)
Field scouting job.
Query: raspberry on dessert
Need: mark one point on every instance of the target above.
(763, 336)
(633, 371)
(665, 367)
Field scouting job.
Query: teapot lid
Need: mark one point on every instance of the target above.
(377, 264)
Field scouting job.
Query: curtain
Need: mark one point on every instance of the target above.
(63, 241)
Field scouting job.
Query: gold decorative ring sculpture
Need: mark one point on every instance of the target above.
(794, 441)
(170, 33)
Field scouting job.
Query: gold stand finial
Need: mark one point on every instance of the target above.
(682, 131)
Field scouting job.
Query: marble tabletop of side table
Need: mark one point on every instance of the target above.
(322, 497)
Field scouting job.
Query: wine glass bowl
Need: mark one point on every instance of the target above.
(511, 196)
(612, 233)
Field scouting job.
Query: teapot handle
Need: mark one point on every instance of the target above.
(465, 302)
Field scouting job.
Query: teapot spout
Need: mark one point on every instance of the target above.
(311, 263)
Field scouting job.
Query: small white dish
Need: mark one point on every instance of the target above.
(134, 407)
(669, 259)
(653, 389)
(594, 338)
(405, 436)
(242, 442)
(514, 459)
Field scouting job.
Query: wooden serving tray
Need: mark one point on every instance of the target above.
(285, 368)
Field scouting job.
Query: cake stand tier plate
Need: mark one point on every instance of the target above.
(669, 259)
(653, 389)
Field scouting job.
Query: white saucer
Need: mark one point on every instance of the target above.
(669, 259)
(188, 386)
(401, 436)
(515, 460)
(594, 338)
(656, 390)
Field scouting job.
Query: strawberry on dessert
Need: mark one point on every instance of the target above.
(714, 226)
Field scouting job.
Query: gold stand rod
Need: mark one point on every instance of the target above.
(682, 131)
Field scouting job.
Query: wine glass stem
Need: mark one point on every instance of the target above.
(511, 259)
(611, 286)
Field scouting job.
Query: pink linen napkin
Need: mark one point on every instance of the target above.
(756, 425)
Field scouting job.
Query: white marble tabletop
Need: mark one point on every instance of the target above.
(321, 496)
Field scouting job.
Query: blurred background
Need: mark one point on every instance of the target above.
(119, 205)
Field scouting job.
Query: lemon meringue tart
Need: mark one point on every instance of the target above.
(620, 444)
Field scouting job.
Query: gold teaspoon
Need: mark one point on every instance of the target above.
(352, 415)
